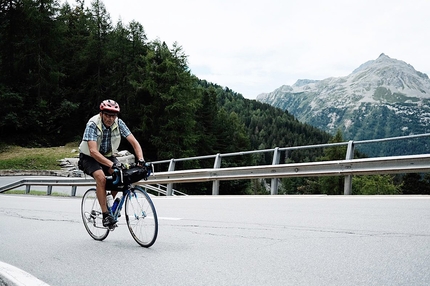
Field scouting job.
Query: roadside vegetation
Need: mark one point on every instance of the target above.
(21, 158)
(36, 193)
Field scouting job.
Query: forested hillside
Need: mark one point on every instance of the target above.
(58, 62)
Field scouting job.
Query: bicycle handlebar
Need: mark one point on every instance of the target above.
(129, 174)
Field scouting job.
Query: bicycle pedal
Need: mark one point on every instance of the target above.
(93, 214)
(112, 227)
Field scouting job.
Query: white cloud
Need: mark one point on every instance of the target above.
(256, 46)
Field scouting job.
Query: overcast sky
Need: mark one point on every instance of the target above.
(254, 47)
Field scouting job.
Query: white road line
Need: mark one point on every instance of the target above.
(169, 218)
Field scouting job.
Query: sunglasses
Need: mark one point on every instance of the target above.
(110, 114)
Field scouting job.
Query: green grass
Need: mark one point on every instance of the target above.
(35, 193)
(20, 158)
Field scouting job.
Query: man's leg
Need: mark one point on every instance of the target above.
(114, 160)
(93, 168)
(100, 179)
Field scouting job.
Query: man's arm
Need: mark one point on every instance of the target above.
(136, 146)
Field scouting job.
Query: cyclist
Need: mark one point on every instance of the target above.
(99, 144)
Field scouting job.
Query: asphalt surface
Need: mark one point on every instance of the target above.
(227, 240)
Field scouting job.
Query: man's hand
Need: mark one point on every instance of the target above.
(146, 166)
(117, 165)
(141, 163)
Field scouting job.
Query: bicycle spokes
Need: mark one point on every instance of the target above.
(141, 217)
(92, 216)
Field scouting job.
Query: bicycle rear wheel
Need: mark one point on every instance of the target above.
(141, 217)
(92, 215)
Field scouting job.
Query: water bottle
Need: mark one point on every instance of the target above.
(115, 205)
(109, 200)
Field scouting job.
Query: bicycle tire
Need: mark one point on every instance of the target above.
(92, 216)
(141, 217)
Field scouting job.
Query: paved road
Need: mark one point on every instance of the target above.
(224, 240)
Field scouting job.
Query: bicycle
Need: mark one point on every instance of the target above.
(140, 213)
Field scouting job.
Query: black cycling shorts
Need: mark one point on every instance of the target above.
(89, 165)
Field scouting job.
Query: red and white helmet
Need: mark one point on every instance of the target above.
(109, 105)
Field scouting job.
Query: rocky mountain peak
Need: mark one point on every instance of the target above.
(394, 75)
(377, 90)
(365, 84)
(302, 82)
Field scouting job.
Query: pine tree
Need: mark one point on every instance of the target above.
(170, 98)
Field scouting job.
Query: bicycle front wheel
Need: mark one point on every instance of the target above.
(141, 217)
(92, 215)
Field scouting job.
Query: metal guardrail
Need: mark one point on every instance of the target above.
(368, 166)
(74, 183)
(161, 189)
(347, 168)
(276, 159)
(55, 181)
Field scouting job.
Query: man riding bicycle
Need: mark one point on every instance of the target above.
(100, 142)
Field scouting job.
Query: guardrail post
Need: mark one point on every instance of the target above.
(73, 192)
(169, 190)
(27, 189)
(347, 189)
(49, 190)
(215, 183)
(275, 181)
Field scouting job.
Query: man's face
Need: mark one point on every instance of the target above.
(108, 118)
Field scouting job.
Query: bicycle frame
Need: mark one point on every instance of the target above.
(118, 209)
